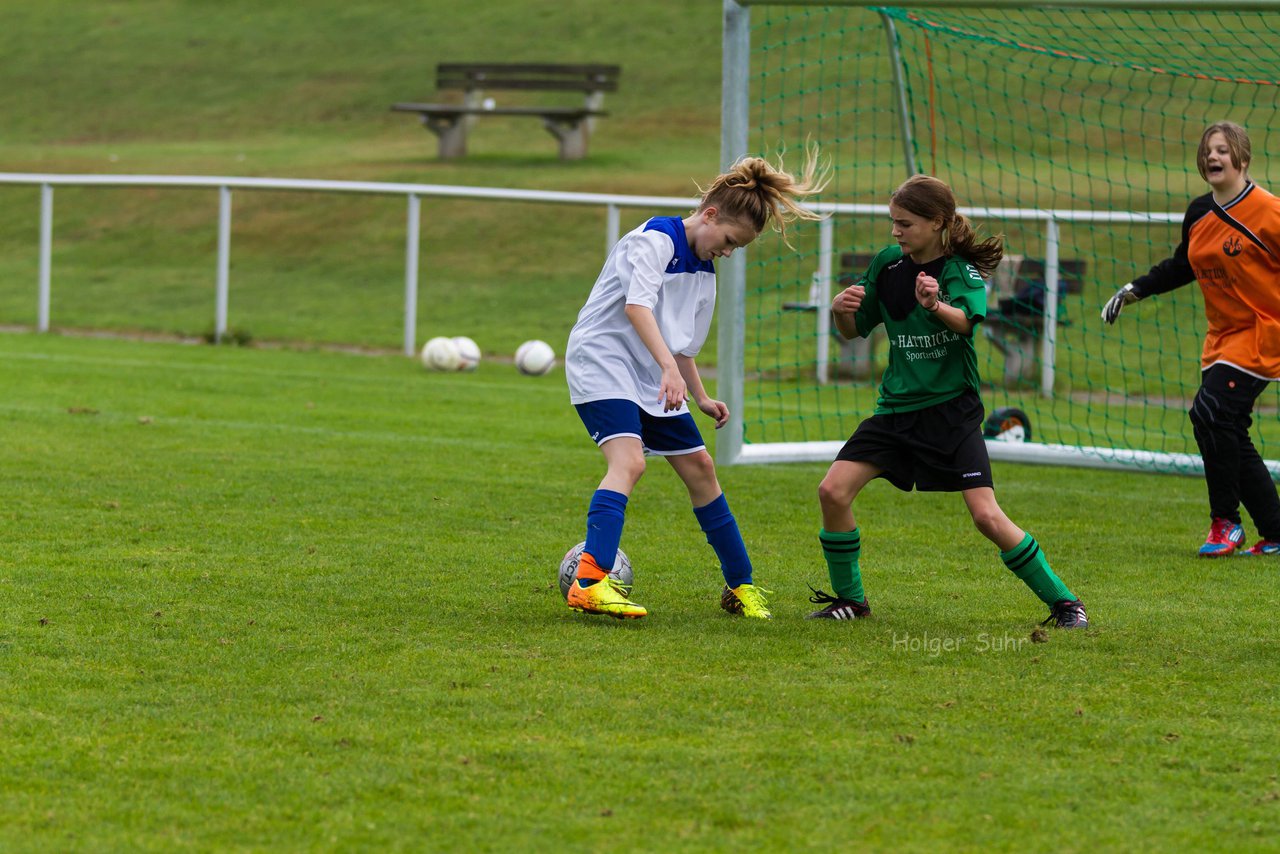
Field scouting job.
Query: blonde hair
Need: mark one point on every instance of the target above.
(1237, 142)
(755, 191)
(927, 197)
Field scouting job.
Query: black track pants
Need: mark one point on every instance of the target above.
(1221, 416)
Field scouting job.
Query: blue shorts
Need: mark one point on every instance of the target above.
(666, 436)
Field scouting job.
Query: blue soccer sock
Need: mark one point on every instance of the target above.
(605, 516)
(717, 522)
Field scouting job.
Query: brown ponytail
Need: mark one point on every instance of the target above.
(927, 197)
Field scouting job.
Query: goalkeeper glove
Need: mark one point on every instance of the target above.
(1122, 297)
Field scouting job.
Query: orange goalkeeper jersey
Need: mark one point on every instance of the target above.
(1233, 251)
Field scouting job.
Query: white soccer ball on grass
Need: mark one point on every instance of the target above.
(535, 358)
(441, 354)
(569, 570)
(468, 353)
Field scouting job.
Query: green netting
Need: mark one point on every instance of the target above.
(1080, 111)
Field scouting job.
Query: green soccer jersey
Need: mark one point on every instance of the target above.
(928, 363)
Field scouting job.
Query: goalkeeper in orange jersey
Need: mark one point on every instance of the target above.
(1231, 246)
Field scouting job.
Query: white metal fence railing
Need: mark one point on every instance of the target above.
(413, 194)
(612, 203)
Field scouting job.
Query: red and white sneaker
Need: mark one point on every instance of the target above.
(1261, 548)
(1224, 538)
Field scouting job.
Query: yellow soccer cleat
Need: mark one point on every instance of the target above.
(747, 600)
(604, 597)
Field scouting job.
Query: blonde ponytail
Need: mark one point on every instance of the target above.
(757, 192)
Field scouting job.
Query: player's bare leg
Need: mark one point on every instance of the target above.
(740, 595)
(1024, 558)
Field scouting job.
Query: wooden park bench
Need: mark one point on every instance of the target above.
(571, 125)
(857, 355)
(1015, 325)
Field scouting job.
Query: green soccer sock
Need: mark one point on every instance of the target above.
(841, 549)
(1028, 562)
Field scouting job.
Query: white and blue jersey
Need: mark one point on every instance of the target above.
(651, 266)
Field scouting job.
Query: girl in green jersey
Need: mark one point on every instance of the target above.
(925, 433)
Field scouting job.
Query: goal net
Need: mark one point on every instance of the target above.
(1071, 131)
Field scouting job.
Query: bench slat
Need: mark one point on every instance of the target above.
(549, 67)
(589, 78)
(508, 83)
(462, 110)
(590, 68)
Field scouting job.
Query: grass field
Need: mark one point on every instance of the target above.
(303, 597)
(266, 599)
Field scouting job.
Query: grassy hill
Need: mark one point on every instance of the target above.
(303, 91)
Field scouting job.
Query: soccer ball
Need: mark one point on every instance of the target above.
(569, 570)
(440, 354)
(1008, 424)
(468, 353)
(535, 358)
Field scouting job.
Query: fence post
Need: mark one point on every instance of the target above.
(46, 256)
(826, 228)
(1050, 344)
(224, 264)
(611, 229)
(412, 227)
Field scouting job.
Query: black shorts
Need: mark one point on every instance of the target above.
(936, 449)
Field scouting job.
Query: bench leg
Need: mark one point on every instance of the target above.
(472, 99)
(1019, 360)
(572, 136)
(594, 101)
(1019, 351)
(857, 357)
(452, 133)
(1031, 359)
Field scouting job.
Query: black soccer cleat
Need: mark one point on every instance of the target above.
(1068, 614)
(837, 608)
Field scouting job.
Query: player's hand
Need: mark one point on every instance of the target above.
(927, 291)
(673, 392)
(848, 300)
(715, 409)
(1116, 304)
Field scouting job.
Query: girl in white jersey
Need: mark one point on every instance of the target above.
(631, 371)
